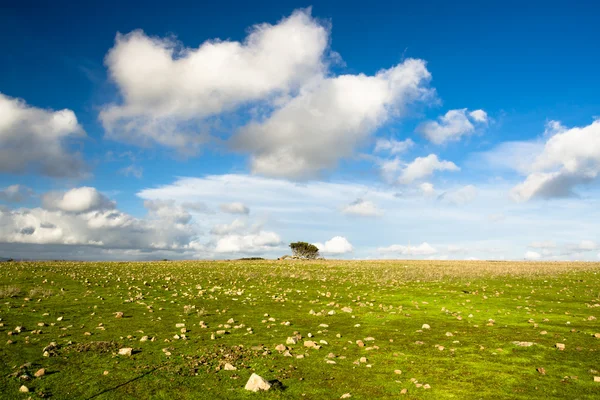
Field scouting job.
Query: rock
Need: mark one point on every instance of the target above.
(426, 386)
(425, 326)
(542, 371)
(332, 312)
(363, 359)
(105, 373)
(59, 319)
(280, 347)
(397, 372)
(229, 367)
(360, 343)
(523, 344)
(346, 396)
(180, 325)
(125, 351)
(144, 338)
(347, 309)
(291, 340)
(24, 389)
(449, 334)
(118, 315)
(40, 372)
(560, 346)
(330, 362)
(369, 339)
(404, 391)
(597, 335)
(597, 379)
(309, 343)
(256, 383)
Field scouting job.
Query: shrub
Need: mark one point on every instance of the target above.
(304, 250)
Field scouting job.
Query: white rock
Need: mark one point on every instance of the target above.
(256, 383)
(229, 367)
(125, 351)
(291, 340)
(425, 326)
(346, 396)
(24, 389)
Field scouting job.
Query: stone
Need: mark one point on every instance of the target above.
(309, 343)
(280, 347)
(118, 314)
(404, 391)
(180, 325)
(144, 338)
(363, 359)
(229, 367)
(125, 351)
(105, 373)
(291, 340)
(397, 372)
(425, 326)
(542, 371)
(40, 372)
(347, 309)
(257, 383)
(523, 344)
(346, 396)
(24, 389)
(597, 379)
(449, 334)
(560, 346)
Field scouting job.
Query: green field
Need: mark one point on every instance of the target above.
(493, 329)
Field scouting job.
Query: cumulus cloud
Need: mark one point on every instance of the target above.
(570, 157)
(76, 221)
(543, 245)
(423, 249)
(329, 118)
(335, 245)
(460, 197)
(532, 255)
(452, 126)
(15, 193)
(248, 243)
(363, 208)
(167, 210)
(393, 146)
(167, 88)
(77, 200)
(36, 140)
(234, 208)
(422, 167)
(226, 229)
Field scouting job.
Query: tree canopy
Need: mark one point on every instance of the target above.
(304, 250)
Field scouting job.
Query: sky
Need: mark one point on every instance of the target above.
(137, 130)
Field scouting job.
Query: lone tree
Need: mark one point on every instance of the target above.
(304, 250)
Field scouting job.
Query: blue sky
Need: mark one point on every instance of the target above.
(430, 130)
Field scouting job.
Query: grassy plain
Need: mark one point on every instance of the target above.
(476, 312)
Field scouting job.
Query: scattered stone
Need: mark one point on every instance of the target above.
(40, 372)
(118, 315)
(291, 340)
(105, 373)
(363, 359)
(597, 379)
(523, 344)
(144, 339)
(347, 309)
(404, 391)
(449, 334)
(398, 372)
(229, 367)
(256, 383)
(346, 396)
(24, 389)
(280, 347)
(560, 346)
(425, 326)
(542, 371)
(125, 351)
(180, 325)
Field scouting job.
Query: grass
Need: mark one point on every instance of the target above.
(475, 310)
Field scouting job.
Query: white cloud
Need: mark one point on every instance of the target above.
(132, 170)
(234, 208)
(77, 200)
(461, 196)
(168, 89)
(167, 210)
(36, 140)
(226, 229)
(532, 255)
(452, 126)
(427, 189)
(364, 208)
(335, 245)
(423, 249)
(393, 146)
(329, 118)
(422, 167)
(248, 243)
(543, 245)
(15, 193)
(588, 245)
(570, 157)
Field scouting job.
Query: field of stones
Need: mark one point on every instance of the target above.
(299, 329)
